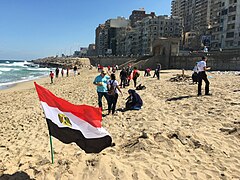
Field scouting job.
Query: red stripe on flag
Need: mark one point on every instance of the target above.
(90, 114)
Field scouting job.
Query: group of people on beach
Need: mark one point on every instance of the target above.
(109, 88)
(63, 71)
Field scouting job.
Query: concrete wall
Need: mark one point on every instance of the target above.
(105, 61)
(218, 62)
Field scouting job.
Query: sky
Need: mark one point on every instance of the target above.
(31, 29)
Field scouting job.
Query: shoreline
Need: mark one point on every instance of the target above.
(23, 85)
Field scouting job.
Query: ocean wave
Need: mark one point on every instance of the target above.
(38, 69)
(18, 64)
(6, 69)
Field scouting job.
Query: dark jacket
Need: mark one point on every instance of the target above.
(134, 98)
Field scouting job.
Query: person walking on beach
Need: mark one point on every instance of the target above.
(123, 77)
(157, 71)
(51, 76)
(67, 71)
(62, 72)
(202, 68)
(129, 73)
(113, 89)
(75, 70)
(136, 74)
(101, 82)
(57, 72)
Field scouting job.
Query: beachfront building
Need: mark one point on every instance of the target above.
(106, 35)
(215, 23)
(100, 40)
(225, 24)
(138, 15)
(195, 15)
(117, 37)
(91, 51)
(149, 29)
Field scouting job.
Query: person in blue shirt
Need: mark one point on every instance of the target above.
(101, 83)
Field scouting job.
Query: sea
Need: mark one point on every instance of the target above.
(12, 72)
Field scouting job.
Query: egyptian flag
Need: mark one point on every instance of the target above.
(74, 123)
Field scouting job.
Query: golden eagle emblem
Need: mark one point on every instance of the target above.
(64, 120)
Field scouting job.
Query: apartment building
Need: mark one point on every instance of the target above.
(138, 15)
(106, 35)
(149, 29)
(117, 37)
(195, 15)
(225, 24)
(213, 21)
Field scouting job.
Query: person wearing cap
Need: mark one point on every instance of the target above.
(202, 68)
(101, 82)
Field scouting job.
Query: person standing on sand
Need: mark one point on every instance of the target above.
(51, 76)
(202, 68)
(67, 71)
(62, 72)
(101, 83)
(113, 96)
(57, 72)
(136, 74)
(75, 70)
(123, 77)
(157, 71)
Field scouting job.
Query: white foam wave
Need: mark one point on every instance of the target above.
(37, 69)
(6, 69)
(21, 64)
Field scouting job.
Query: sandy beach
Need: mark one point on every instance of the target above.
(188, 137)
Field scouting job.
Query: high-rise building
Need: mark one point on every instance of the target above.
(225, 24)
(106, 35)
(138, 15)
(213, 23)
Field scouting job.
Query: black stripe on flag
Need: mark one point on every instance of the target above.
(68, 135)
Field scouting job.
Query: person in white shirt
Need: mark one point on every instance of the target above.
(202, 68)
(195, 74)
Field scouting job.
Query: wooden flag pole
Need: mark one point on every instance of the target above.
(52, 153)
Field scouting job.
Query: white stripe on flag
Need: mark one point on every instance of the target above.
(78, 124)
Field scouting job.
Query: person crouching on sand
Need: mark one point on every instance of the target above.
(134, 101)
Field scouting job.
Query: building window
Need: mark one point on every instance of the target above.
(230, 35)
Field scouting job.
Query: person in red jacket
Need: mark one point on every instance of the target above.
(51, 76)
(136, 74)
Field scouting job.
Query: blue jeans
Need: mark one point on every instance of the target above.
(100, 95)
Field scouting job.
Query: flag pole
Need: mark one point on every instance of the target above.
(52, 155)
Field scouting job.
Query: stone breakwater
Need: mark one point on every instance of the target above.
(62, 62)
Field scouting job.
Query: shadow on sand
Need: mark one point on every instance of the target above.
(179, 98)
(17, 175)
